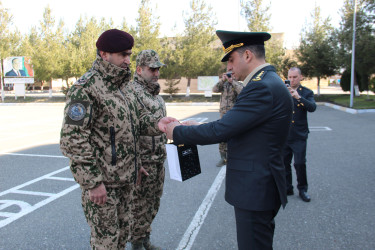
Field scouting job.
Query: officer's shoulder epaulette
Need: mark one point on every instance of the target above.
(258, 77)
(84, 79)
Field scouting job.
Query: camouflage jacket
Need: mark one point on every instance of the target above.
(229, 93)
(101, 127)
(152, 148)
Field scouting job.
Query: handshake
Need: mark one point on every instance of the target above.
(167, 125)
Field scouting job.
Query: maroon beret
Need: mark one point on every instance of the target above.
(114, 41)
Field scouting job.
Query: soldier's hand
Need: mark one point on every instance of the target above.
(163, 122)
(98, 194)
(141, 172)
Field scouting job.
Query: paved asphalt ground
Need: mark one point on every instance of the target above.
(40, 204)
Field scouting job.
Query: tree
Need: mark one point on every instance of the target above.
(287, 63)
(47, 50)
(316, 52)
(9, 41)
(258, 20)
(171, 86)
(147, 32)
(200, 56)
(345, 80)
(81, 45)
(364, 40)
(5, 22)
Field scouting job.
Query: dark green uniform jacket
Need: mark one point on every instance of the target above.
(256, 129)
(300, 128)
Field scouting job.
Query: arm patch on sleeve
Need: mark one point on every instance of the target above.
(77, 112)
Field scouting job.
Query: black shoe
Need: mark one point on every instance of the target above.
(290, 192)
(304, 196)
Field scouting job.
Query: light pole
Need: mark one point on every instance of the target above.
(2, 80)
(353, 55)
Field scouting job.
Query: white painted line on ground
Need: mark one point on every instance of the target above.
(26, 208)
(33, 181)
(30, 208)
(60, 179)
(6, 214)
(32, 193)
(320, 129)
(33, 155)
(198, 119)
(187, 240)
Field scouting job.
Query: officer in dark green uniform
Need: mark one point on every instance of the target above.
(256, 130)
(303, 101)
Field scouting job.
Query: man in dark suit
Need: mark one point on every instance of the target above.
(256, 129)
(303, 101)
(16, 70)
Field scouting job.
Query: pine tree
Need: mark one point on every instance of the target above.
(316, 52)
(258, 20)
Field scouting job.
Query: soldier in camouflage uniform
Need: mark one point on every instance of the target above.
(229, 89)
(153, 154)
(100, 134)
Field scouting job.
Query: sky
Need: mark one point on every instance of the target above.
(287, 16)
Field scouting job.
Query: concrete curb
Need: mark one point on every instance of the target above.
(347, 110)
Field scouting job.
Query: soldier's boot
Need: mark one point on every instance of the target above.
(147, 244)
(223, 160)
(137, 245)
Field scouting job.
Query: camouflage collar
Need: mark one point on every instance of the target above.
(153, 88)
(110, 72)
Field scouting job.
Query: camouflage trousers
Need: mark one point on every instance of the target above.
(146, 200)
(109, 223)
(223, 147)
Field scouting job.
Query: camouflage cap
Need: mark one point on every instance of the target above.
(149, 58)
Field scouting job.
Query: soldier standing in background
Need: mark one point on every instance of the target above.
(229, 89)
(152, 149)
(100, 133)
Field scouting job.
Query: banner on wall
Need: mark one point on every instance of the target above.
(18, 66)
(207, 82)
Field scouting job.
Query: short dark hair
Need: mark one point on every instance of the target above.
(258, 50)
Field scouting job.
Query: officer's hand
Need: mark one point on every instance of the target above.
(98, 194)
(162, 124)
(141, 172)
(294, 93)
(169, 129)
